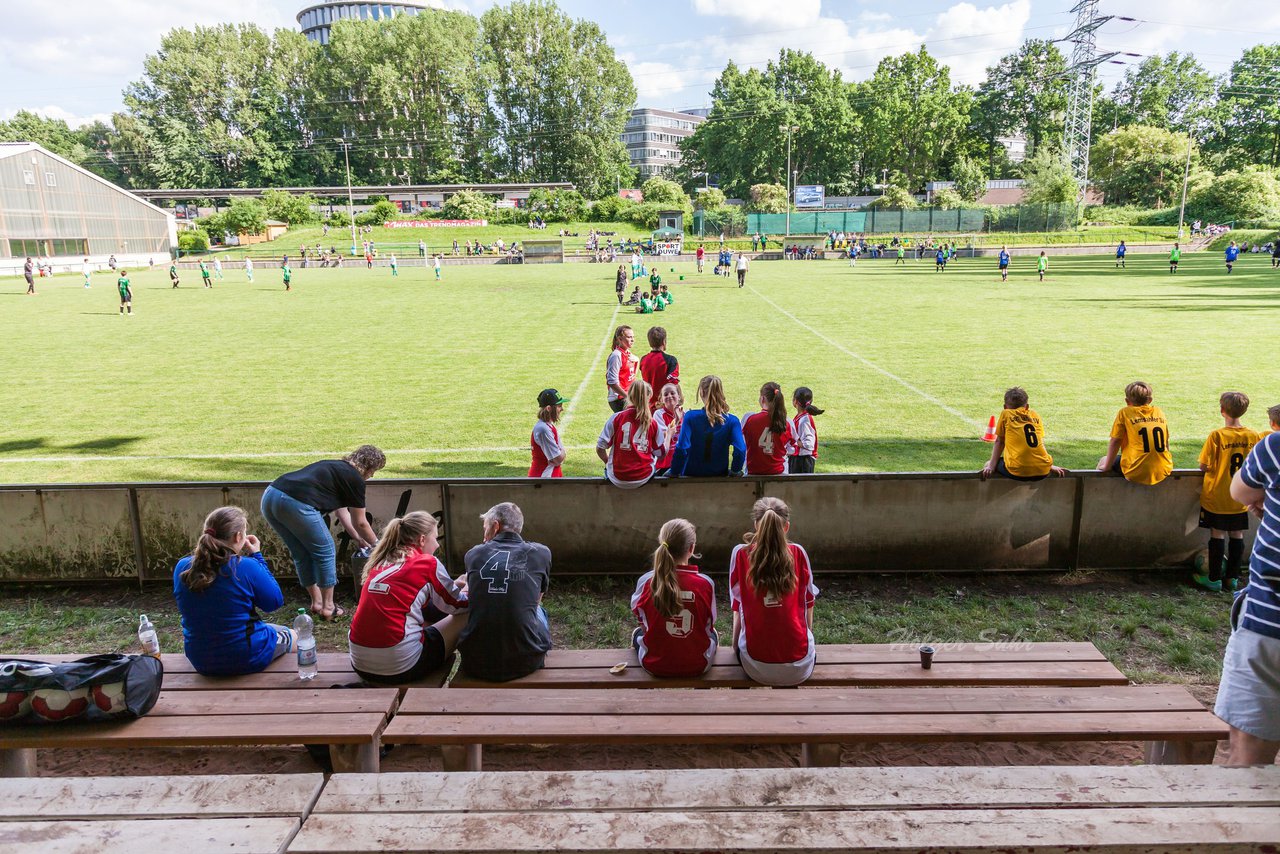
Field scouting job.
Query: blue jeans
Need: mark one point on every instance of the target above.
(305, 535)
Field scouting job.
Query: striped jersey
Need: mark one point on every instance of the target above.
(776, 630)
(631, 450)
(1261, 611)
(388, 627)
(804, 436)
(683, 644)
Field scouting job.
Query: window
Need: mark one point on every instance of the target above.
(50, 180)
(28, 176)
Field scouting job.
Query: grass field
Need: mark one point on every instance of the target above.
(246, 381)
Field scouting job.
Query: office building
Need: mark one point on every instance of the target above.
(317, 18)
(652, 138)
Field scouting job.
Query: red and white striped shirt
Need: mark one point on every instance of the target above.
(804, 436)
(388, 627)
(544, 444)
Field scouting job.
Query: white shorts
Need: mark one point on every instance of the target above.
(779, 675)
(1249, 693)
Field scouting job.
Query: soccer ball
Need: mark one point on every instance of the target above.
(1201, 562)
(59, 704)
(14, 705)
(109, 698)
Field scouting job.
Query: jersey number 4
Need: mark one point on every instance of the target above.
(766, 442)
(497, 571)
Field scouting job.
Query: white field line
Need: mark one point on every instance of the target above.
(591, 372)
(872, 365)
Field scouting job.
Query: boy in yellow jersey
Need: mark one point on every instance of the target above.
(1139, 447)
(1019, 452)
(1223, 454)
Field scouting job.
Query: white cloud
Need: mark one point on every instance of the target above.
(760, 11)
(55, 112)
(976, 38)
(656, 82)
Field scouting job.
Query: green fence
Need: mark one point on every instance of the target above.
(1023, 218)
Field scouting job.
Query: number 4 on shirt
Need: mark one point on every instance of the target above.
(497, 571)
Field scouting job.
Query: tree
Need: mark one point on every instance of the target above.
(913, 120)
(741, 143)
(245, 216)
(664, 193)
(286, 207)
(1171, 91)
(971, 180)
(710, 198)
(947, 199)
(1251, 193)
(1048, 180)
(559, 97)
(193, 240)
(53, 134)
(1024, 94)
(1139, 165)
(768, 198)
(468, 204)
(1248, 113)
(558, 205)
(895, 198)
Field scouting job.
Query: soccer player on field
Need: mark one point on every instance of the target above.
(658, 367)
(1223, 454)
(204, 274)
(217, 268)
(646, 304)
(436, 264)
(1042, 263)
(940, 261)
(767, 433)
(631, 440)
(655, 282)
(287, 274)
(701, 256)
(1275, 253)
(1232, 255)
(126, 295)
(666, 297)
(620, 282)
(1121, 250)
(902, 256)
(173, 274)
(1019, 452)
(621, 367)
(676, 607)
(1139, 446)
(742, 269)
(1175, 255)
(1004, 264)
(395, 269)
(248, 268)
(544, 442)
(87, 269)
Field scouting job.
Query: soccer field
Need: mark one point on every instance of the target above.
(245, 381)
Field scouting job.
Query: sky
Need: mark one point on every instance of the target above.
(72, 59)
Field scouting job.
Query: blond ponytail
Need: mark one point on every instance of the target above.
(677, 537)
(771, 568)
(398, 539)
(638, 396)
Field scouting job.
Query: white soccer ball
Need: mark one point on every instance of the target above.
(14, 705)
(109, 698)
(59, 704)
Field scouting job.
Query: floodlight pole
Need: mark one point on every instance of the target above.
(351, 205)
(788, 177)
(1186, 177)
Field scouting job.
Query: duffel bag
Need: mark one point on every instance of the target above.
(106, 687)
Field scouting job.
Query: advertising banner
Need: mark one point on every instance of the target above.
(811, 196)
(435, 223)
(671, 247)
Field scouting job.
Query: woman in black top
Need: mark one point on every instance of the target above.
(294, 505)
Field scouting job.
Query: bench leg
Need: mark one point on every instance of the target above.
(1180, 752)
(462, 757)
(19, 762)
(820, 755)
(355, 758)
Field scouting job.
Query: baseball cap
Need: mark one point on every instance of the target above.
(549, 397)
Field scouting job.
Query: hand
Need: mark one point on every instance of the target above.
(1057, 471)
(986, 471)
(251, 542)
(1102, 464)
(1255, 509)
(461, 582)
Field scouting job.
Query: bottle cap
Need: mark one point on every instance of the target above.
(302, 610)
(143, 618)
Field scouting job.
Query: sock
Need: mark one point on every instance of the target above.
(1216, 547)
(1235, 553)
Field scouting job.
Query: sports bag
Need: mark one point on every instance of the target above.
(108, 687)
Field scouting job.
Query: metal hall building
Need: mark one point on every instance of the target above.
(52, 209)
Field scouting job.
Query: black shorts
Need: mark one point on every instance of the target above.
(618, 405)
(433, 657)
(1224, 521)
(800, 464)
(1003, 471)
(125, 297)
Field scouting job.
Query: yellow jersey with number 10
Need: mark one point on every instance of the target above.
(1144, 444)
(1223, 454)
(1023, 434)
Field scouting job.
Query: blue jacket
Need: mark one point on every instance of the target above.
(221, 633)
(1004, 259)
(1233, 252)
(1120, 250)
(703, 450)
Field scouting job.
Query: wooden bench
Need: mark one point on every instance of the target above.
(1205, 809)
(208, 815)
(273, 707)
(461, 720)
(1065, 664)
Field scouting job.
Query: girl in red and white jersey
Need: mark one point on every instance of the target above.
(669, 414)
(630, 439)
(772, 593)
(676, 607)
(398, 633)
(621, 367)
(544, 443)
(803, 451)
(768, 433)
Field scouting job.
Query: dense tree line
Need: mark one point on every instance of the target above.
(521, 93)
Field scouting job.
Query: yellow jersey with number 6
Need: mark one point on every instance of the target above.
(1223, 454)
(1024, 451)
(1144, 444)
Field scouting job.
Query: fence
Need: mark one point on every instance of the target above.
(1026, 218)
(847, 522)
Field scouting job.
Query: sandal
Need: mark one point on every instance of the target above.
(337, 613)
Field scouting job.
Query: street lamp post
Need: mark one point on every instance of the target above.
(351, 205)
(788, 177)
(1186, 176)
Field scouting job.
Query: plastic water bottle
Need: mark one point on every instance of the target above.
(306, 645)
(148, 638)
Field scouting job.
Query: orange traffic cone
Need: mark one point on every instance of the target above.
(990, 435)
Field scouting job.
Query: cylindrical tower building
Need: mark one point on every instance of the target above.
(316, 19)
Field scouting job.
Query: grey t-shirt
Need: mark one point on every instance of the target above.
(504, 637)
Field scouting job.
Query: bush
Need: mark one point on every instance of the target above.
(468, 204)
(381, 213)
(245, 216)
(947, 199)
(895, 198)
(731, 219)
(710, 198)
(1048, 180)
(286, 207)
(193, 240)
(645, 215)
(667, 195)
(611, 209)
(768, 198)
(558, 205)
(1247, 194)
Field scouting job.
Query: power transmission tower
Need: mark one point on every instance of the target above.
(1082, 73)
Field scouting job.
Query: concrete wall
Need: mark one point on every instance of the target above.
(848, 523)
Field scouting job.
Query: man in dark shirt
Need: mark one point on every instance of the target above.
(507, 635)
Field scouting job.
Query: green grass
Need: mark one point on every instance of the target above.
(1153, 628)
(908, 364)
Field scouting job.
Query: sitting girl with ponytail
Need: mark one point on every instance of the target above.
(217, 588)
(802, 453)
(676, 607)
(632, 440)
(772, 593)
(411, 612)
